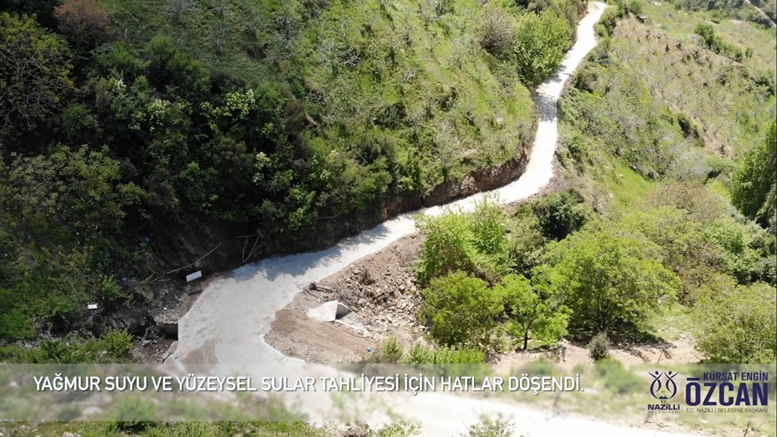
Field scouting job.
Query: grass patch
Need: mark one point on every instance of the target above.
(674, 322)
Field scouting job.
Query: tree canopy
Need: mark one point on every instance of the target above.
(611, 280)
(736, 324)
(34, 74)
(754, 186)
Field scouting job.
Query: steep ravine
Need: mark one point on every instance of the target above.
(226, 326)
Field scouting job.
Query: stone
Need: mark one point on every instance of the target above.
(68, 434)
(170, 351)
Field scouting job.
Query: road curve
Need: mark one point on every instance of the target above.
(227, 324)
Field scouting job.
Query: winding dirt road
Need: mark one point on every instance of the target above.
(227, 324)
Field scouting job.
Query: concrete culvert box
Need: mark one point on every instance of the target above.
(328, 312)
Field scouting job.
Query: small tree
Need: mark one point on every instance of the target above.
(461, 310)
(447, 247)
(497, 30)
(754, 186)
(560, 214)
(599, 347)
(540, 43)
(738, 325)
(530, 315)
(609, 278)
(34, 74)
(84, 22)
(475, 243)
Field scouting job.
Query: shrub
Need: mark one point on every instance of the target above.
(117, 343)
(539, 45)
(84, 22)
(491, 428)
(390, 351)
(474, 243)
(461, 310)
(420, 354)
(737, 325)
(754, 186)
(599, 347)
(497, 30)
(560, 214)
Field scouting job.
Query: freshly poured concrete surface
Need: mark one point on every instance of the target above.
(228, 322)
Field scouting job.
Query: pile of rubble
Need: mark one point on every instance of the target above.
(384, 301)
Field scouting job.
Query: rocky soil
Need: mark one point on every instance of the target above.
(381, 293)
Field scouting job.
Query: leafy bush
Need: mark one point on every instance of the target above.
(390, 352)
(735, 240)
(447, 247)
(35, 75)
(754, 186)
(526, 243)
(461, 310)
(113, 347)
(599, 347)
(497, 30)
(491, 428)
(420, 354)
(606, 25)
(475, 243)
(540, 44)
(737, 325)
(560, 214)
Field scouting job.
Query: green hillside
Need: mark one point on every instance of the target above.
(141, 135)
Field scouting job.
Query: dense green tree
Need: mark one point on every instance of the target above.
(737, 324)
(80, 190)
(754, 186)
(34, 75)
(461, 310)
(526, 242)
(742, 246)
(42, 10)
(610, 279)
(540, 43)
(560, 214)
(532, 316)
(476, 243)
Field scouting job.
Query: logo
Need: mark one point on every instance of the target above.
(663, 390)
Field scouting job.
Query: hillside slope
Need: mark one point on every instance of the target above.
(170, 136)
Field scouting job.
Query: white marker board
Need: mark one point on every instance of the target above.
(193, 276)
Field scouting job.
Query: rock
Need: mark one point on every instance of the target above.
(68, 434)
(168, 323)
(362, 302)
(468, 186)
(170, 351)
